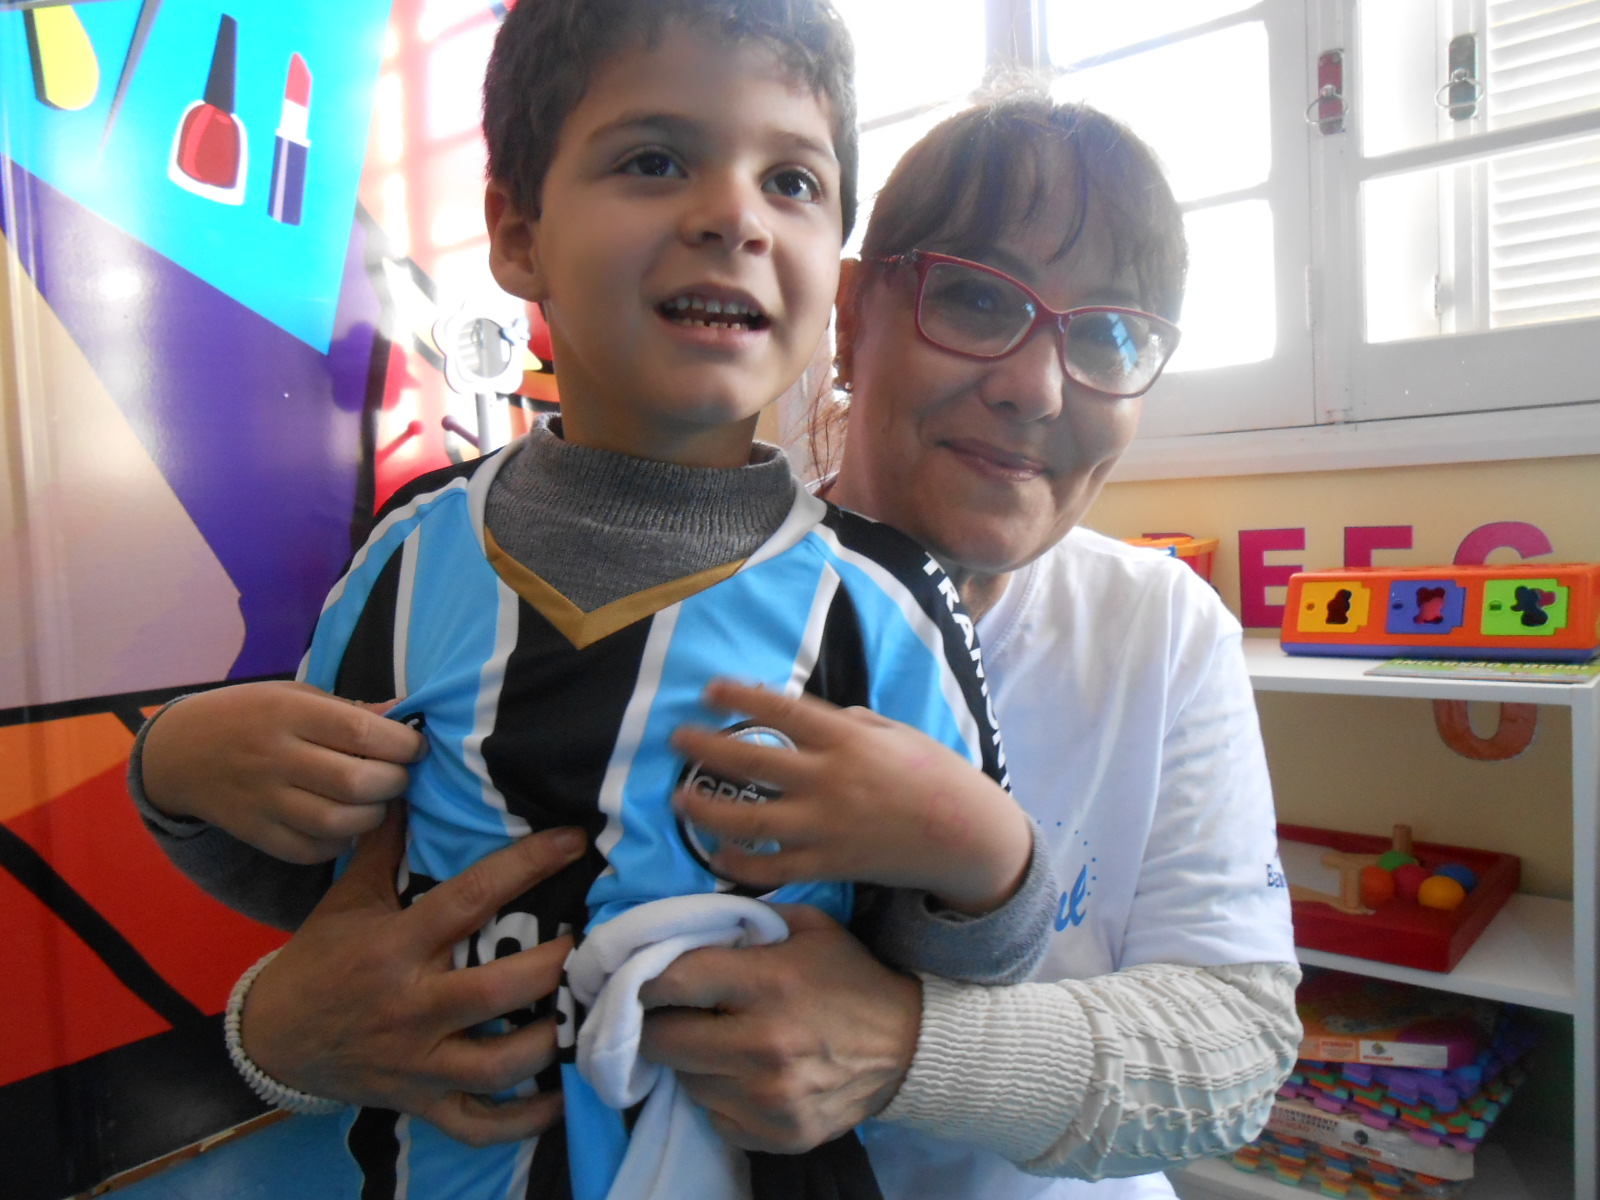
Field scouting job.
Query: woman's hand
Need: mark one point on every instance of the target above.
(864, 798)
(282, 766)
(785, 1046)
(362, 1004)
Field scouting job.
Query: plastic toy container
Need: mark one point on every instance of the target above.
(1401, 931)
(1196, 552)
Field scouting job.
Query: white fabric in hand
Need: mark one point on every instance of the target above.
(673, 1151)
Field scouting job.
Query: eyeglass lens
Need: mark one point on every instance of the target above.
(974, 312)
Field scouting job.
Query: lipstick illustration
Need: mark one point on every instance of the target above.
(210, 153)
(289, 151)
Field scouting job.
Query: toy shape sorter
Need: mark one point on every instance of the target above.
(1518, 612)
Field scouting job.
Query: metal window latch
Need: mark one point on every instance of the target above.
(1463, 90)
(1327, 111)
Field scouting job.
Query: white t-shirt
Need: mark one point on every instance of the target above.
(1131, 731)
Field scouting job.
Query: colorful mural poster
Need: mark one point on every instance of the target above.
(229, 233)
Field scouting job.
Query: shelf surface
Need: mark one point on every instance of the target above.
(1271, 670)
(1524, 957)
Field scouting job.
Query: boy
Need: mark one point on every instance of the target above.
(673, 182)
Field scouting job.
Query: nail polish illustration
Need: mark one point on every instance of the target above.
(66, 72)
(292, 145)
(210, 153)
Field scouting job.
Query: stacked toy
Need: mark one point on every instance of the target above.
(1395, 1089)
(1453, 1108)
(1329, 1171)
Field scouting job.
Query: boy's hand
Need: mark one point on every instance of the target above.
(864, 798)
(287, 768)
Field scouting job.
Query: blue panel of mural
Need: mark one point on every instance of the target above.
(228, 137)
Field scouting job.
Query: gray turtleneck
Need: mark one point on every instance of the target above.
(597, 526)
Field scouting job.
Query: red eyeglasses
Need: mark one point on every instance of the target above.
(978, 312)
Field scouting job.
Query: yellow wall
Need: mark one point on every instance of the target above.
(1362, 764)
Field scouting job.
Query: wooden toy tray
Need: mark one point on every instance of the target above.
(1399, 931)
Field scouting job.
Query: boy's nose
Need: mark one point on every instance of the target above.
(727, 212)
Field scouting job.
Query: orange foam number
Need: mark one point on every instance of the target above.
(1514, 734)
(1511, 737)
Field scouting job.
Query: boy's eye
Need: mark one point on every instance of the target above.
(795, 184)
(655, 164)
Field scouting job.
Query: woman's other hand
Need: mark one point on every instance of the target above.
(864, 798)
(790, 1045)
(282, 766)
(362, 1005)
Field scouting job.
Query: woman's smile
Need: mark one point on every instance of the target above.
(992, 461)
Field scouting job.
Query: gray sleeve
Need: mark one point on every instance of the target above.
(245, 879)
(910, 930)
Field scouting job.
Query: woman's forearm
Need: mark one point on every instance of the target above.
(1121, 1075)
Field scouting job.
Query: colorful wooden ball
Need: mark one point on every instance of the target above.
(1408, 880)
(1377, 887)
(1391, 859)
(1461, 873)
(1440, 891)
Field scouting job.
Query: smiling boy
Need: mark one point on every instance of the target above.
(672, 180)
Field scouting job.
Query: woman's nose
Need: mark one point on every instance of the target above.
(1029, 383)
(728, 212)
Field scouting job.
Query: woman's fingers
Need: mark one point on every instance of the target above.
(478, 1121)
(447, 913)
(368, 878)
(791, 1043)
(484, 1065)
(467, 998)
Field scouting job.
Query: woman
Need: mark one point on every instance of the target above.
(983, 422)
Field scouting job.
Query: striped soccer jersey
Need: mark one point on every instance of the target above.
(538, 715)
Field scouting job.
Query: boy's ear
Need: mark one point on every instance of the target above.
(513, 245)
(846, 320)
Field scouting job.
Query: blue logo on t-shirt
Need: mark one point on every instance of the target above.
(1070, 911)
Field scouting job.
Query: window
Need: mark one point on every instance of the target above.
(917, 62)
(1195, 80)
(1423, 285)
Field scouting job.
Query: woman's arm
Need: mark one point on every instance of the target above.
(1120, 1075)
(789, 1045)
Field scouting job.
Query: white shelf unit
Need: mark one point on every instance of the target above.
(1536, 952)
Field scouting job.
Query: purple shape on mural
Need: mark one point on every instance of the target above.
(258, 434)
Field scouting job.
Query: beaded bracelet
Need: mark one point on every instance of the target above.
(279, 1095)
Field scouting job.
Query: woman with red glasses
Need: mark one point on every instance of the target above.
(1014, 300)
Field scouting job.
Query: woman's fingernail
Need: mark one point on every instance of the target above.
(568, 841)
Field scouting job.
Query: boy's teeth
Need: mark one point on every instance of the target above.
(696, 306)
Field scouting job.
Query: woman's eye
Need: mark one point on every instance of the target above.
(653, 164)
(978, 298)
(795, 184)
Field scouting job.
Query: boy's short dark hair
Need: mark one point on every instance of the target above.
(547, 51)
